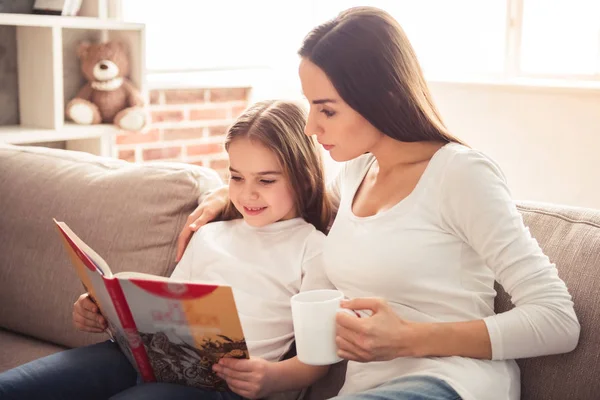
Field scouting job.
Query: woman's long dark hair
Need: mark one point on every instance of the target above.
(372, 65)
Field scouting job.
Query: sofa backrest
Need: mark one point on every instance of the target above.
(570, 237)
(130, 214)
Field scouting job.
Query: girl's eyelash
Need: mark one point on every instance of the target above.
(263, 181)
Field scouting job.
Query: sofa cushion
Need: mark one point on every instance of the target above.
(129, 213)
(18, 349)
(570, 237)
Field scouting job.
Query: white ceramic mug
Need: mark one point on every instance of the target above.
(313, 313)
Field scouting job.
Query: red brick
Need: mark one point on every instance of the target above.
(206, 148)
(155, 97)
(209, 113)
(127, 155)
(183, 133)
(166, 152)
(229, 94)
(237, 111)
(138, 137)
(199, 163)
(167, 116)
(184, 96)
(219, 164)
(217, 130)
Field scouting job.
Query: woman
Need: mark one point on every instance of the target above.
(424, 227)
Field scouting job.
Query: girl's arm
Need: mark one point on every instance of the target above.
(257, 378)
(291, 374)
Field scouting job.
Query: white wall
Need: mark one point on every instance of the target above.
(546, 140)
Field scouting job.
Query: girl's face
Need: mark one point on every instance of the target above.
(258, 188)
(339, 128)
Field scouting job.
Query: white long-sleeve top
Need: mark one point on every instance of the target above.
(434, 257)
(265, 267)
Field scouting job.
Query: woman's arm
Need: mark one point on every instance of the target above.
(185, 265)
(477, 207)
(384, 336)
(210, 206)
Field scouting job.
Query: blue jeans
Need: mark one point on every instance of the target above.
(408, 388)
(99, 371)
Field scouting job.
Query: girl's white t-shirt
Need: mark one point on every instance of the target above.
(265, 267)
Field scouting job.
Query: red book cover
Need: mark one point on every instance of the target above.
(171, 331)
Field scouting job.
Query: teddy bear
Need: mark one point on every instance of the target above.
(108, 96)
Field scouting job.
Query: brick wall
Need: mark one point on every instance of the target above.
(187, 125)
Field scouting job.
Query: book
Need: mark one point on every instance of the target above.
(57, 7)
(171, 331)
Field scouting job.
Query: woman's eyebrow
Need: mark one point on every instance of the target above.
(323, 101)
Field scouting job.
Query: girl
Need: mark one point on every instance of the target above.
(268, 247)
(425, 224)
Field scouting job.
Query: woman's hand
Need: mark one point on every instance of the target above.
(86, 315)
(382, 336)
(385, 336)
(251, 379)
(206, 211)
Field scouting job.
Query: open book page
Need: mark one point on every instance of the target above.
(103, 291)
(186, 328)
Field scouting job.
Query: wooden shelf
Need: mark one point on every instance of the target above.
(48, 74)
(35, 20)
(16, 134)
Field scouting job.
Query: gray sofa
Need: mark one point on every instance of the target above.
(131, 215)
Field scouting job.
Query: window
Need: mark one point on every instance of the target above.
(451, 38)
(184, 35)
(561, 37)
(498, 39)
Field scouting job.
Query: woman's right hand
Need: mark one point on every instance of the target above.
(86, 315)
(206, 211)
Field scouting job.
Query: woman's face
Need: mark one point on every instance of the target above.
(339, 128)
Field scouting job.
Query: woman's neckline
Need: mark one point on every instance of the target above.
(403, 203)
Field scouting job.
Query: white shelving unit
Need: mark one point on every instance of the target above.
(49, 75)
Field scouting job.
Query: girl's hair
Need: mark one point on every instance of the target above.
(372, 65)
(279, 126)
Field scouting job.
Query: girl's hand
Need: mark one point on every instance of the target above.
(382, 336)
(206, 211)
(251, 379)
(86, 315)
